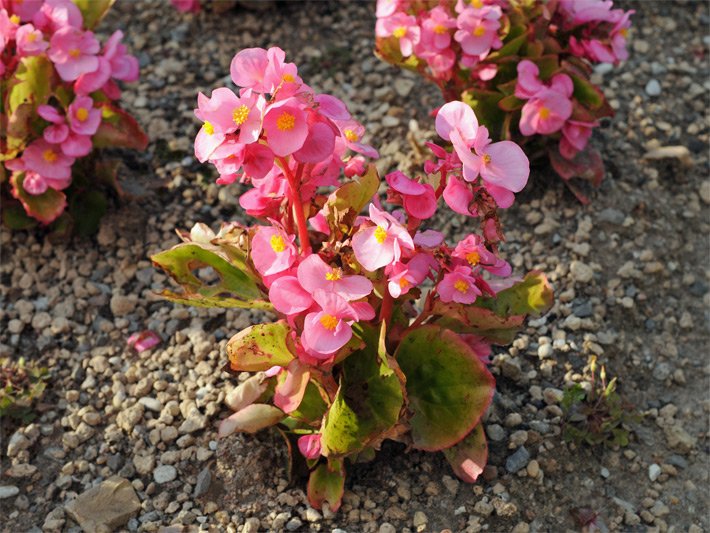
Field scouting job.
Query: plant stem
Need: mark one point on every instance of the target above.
(386, 307)
(296, 205)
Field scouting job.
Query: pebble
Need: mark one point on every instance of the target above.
(495, 432)
(581, 272)
(653, 88)
(164, 474)
(8, 491)
(202, 485)
(517, 460)
(654, 471)
(122, 305)
(420, 520)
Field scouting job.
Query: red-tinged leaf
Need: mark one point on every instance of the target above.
(291, 386)
(118, 129)
(586, 165)
(587, 93)
(92, 11)
(247, 392)
(549, 65)
(469, 457)
(251, 419)
(143, 340)
(327, 484)
(15, 218)
(45, 207)
(511, 103)
(260, 347)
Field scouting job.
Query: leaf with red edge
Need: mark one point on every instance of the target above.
(45, 207)
(327, 484)
(469, 457)
(586, 165)
(119, 129)
(92, 11)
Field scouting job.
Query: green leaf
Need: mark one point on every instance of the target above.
(448, 387)
(531, 296)
(87, 209)
(312, 406)
(549, 65)
(15, 218)
(260, 347)
(586, 92)
(485, 105)
(234, 288)
(327, 484)
(118, 129)
(511, 103)
(478, 321)
(346, 202)
(367, 405)
(469, 457)
(515, 39)
(93, 11)
(45, 207)
(586, 165)
(32, 83)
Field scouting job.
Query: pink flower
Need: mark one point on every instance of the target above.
(320, 141)
(456, 122)
(45, 166)
(575, 135)
(123, 65)
(418, 199)
(328, 330)
(30, 41)
(227, 112)
(84, 118)
(288, 296)
(58, 131)
(253, 68)
(458, 286)
(315, 274)
(404, 277)
(272, 250)
(25, 9)
(309, 446)
(546, 112)
(57, 14)
(402, 27)
(385, 8)
(435, 32)
(458, 196)
(186, 6)
(286, 127)
(474, 253)
(478, 29)
(382, 244)
(529, 83)
(8, 29)
(73, 52)
(582, 11)
(281, 77)
(352, 133)
(480, 347)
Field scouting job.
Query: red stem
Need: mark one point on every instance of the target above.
(386, 307)
(296, 205)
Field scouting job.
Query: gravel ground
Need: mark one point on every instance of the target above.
(629, 271)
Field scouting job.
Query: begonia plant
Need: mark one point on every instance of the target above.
(59, 92)
(524, 66)
(382, 329)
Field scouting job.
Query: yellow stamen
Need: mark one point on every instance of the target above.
(49, 155)
(400, 32)
(209, 128)
(288, 78)
(486, 159)
(473, 258)
(240, 115)
(624, 32)
(15, 19)
(403, 282)
(440, 29)
(329, 322)
(380, 234)
(461, 286)
(277, 244)
(544, 113)
(75, 52)
(350, 135)
(478, 31)
(286, 121)
(82, 114)
(478, 4)
(32, 37)
(334, 275)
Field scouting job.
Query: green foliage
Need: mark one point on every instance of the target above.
(22, 385)
(118, 129)
(92, 11)
(260, 347)
(45, 207)
(327, 484)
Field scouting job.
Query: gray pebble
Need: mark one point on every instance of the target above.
(653, 88)
(517, 460)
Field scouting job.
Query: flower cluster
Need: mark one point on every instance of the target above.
(59, 85)
(375, 311)
(523, 66)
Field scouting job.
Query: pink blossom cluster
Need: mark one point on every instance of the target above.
(53, 29)
(293, 145)
(187, 6)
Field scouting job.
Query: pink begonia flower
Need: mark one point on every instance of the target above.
(30, 41)
(264, 71)
(314, 274)
(288, 296)
(291, 386)
(458, 196)
(529, 83)
(186, 6)
(352, 133)
(319, 222)
(59, 130)
(309, 446)
(45, 166)
(83, 117)
(356, 166)
(76, 145)
(478, 29)
(328, 330)
(456, 122)
(402, 27)
(382, 244)
(441, 63)
(319, 143)
(474, 253)
(419, 199)
(582, 11)
(25, 9)
(403, 277)
(428, 238)
(480, 347)
(280, 76)
(435, 34)
(458, 286)
(272, 250)
(575, 136)
(385, 8)
(286, 127)
(57, 14)
(73, 52)
(265, 199)
(8, 28)
(546, 112)
(124, 66)
(332, 107)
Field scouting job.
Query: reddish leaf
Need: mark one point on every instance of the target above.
(586, 165)
(143, 340)
(118, 129)
(45, 207)
(327, 484)
(469, 457)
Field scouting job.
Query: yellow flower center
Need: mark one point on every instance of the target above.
(32, 37)
(461, 286)
(75, 52)
(334, 275)
(380, 234)
(486, 159)
(49, 155)
(240, 115)
(209, 128)
(478, 31)
(15, 19)
(329, 322)
(544, 113)
(440, 29)
(403, 282)
(82, 114)
(277, 244)
(350, 135)
(473, 258)
(400, 32)
(286, 121)
(478, 4)
(288, 78)
(624, 32)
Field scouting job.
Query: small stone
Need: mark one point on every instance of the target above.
(581, 272)
(386, 527)
(552, 396)
(604, 472)
(654, 471)
(521, 527)
(252, 525)
(483, 507)
(18, 442)
(152, 404)
(659, 509)
(312, 515)
(517, 460)
(681, 153)
(294, 524)
(653, 88)
(129, 418)
(8, 491)
(106, 507)
(164, 474)
(403, 86)
(705, 191)
(495, 432)
(390, 122)
(122, 305)
(202, 485)
(545, 351)
(518, 438)
(144, 464)
(420, 521)
(533, 468)
(194, 422)
(21, 470)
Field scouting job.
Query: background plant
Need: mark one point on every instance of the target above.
(383, 329)
(59, 89)
(22, 384)
(522, 65)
